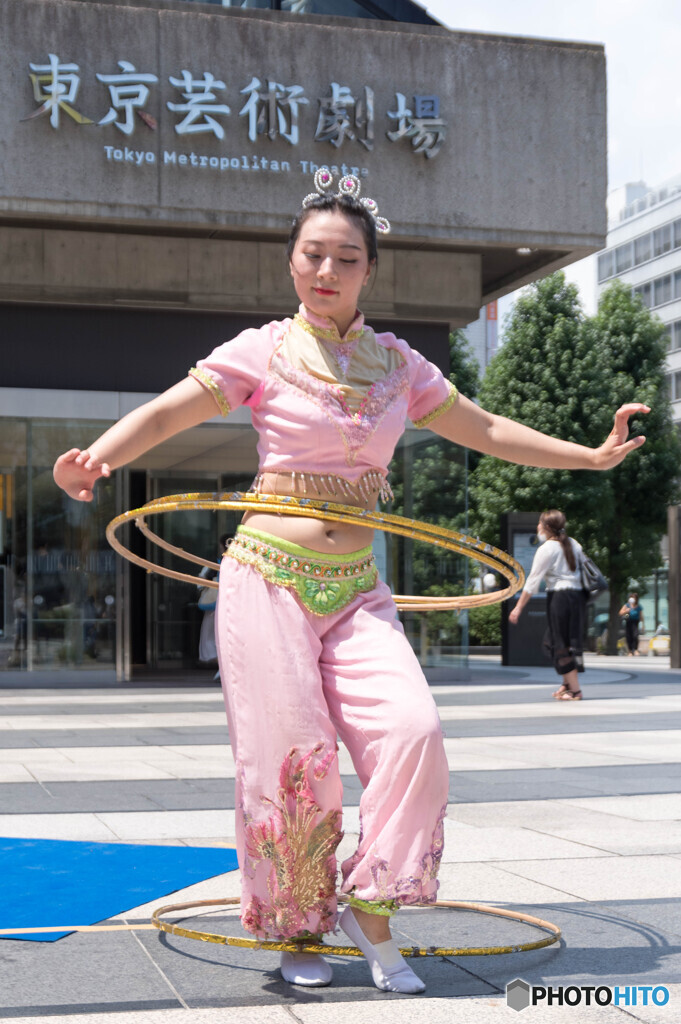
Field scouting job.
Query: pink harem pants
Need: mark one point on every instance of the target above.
(292, 681)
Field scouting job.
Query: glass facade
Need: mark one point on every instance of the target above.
(430, 479)
(57, 571)
(383, 10)
(69, 603)
(174, 617)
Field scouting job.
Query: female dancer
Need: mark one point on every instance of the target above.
(557, 561)
(309, 645)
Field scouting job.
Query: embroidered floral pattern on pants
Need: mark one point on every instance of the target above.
(300, 844)
(419, 887)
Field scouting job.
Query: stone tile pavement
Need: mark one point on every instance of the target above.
(570, 812)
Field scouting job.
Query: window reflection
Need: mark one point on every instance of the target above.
(57, 570)
(58, 574)
(389, 10)
(429, 477)
(646, 247)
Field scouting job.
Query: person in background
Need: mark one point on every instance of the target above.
(208, 652)
(18, 654)
(632, 613)
(557, 562)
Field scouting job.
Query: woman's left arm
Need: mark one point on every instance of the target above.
(466, 424)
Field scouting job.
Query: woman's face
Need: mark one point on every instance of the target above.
(330, 266)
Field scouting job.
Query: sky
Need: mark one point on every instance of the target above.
(643, 50)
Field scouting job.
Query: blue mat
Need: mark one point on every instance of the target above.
(48, 882)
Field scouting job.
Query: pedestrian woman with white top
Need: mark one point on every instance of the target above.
(557, 561)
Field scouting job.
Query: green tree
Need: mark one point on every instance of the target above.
(565, 375)
(633, 342)
(484, 624)
(464, 370)
(549, 375)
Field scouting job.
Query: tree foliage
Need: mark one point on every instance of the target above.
(484, 625)
(464, 370)
(438, 479)
(547, 374)
(565, 375)
(634, 344)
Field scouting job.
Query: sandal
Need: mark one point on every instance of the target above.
(571, 695)
(558, 694)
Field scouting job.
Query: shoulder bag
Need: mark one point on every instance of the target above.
(593, 580)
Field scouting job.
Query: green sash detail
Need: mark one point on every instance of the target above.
(324, 583)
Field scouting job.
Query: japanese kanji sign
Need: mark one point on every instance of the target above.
(346, 115)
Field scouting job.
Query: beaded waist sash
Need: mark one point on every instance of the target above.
(370, 483)
(324, 583)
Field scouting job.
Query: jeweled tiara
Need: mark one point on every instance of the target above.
(348, 185)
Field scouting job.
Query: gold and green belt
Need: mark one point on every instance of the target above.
(324, 583)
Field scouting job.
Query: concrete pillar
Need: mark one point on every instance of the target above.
(674, 533)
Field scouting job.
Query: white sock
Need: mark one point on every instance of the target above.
(305, 969)
(390, 971)
(388, 953)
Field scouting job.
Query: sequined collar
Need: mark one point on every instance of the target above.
(323, 327)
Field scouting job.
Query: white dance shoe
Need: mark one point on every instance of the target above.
(309, 969)
(390, 971)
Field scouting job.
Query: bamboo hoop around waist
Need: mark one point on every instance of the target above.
(500, 561)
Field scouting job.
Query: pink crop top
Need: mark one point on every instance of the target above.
(324, 405)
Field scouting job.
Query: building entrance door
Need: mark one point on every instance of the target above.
(164, 621)
(173, 617)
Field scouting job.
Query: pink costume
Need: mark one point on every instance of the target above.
(309, 644)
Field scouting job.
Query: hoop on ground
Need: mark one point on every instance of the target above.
(415, 529)
(329, 950)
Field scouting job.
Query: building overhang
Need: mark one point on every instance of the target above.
(487, 147)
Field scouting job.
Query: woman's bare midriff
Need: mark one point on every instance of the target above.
(325, 535)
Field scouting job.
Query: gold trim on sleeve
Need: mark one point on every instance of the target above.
(448, 402)
(208, 382)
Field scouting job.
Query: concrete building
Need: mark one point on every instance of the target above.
(152, 153)
(644, 250)
(483, 335)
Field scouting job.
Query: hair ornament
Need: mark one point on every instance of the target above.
(349, 185)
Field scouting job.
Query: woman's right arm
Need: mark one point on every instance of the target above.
(182, 406)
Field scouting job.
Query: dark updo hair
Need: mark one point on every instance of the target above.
(555, 521)
(346, 205)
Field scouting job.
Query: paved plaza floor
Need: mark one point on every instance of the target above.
(567, 811)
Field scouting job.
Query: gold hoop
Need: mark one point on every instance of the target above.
(322, 947)
(471, 547)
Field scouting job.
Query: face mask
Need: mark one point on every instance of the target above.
(541, 536)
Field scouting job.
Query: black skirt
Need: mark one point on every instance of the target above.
(563, 641)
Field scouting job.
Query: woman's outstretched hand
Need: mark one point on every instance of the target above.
(76, 472)
(616, 447)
